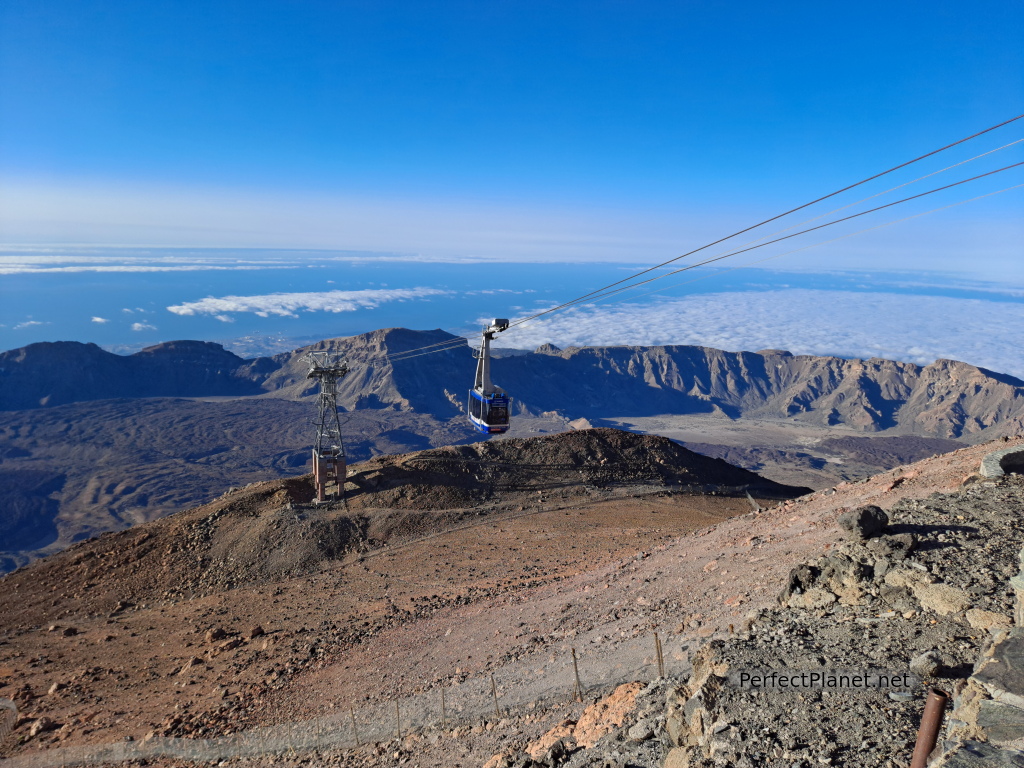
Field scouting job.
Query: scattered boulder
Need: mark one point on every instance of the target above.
(192, 663)
(831, 579)
(943, 599)
(896, 547)
(559, 751)
(256, 631)
(927, 665)
(977, 754)
(864, 522)
(215, 634)
(990, 620)
(1001, 669)
(42, 725)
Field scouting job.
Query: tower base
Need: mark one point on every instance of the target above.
(329, 473)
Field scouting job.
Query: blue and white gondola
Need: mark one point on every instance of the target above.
(488, 406)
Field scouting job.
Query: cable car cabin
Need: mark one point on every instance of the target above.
(487, 405)
(489, 413)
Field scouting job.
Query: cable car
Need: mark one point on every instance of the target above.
(488, 406)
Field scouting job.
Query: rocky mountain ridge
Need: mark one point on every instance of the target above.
(946, 399)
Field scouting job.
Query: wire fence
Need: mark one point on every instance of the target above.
(8, 718)
(573, 676)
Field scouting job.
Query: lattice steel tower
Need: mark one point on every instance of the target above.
(329, 467)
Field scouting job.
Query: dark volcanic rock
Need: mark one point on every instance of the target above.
(864, 522)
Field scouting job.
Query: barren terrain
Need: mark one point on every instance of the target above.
(510, 591)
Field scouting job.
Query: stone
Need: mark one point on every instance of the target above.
(989, 620)
(641, 731)
(193, 662)
(1001, 722)
(898, 598)
(215, 634)
(675, 718)
(256, 631)
(1001, 670)
(560, 750)
(896, 547)
(976, 754)
(499, 761)
(800, 580)
(42, 725)
(56, 687)
(69, 631)
(927, 665)
(605, 715)
(677, 757)
(813, 599)
(844, 577)
(942, 598)
(538, 748)
(906, 578)
(864, 522)
(998, 463)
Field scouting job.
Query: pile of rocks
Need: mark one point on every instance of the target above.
(915, 594)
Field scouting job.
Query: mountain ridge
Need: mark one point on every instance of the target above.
(945, 399)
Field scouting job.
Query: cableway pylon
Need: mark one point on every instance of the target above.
(329, 467)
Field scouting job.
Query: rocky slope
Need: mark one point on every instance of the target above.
(934, 582)
(162, 614)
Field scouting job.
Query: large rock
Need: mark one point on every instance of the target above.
(1001, 722)
(864, 522)
(941, 598)
(976, 754)
(927, 665)
(1001, 670)
(896, 547)
(820, 584)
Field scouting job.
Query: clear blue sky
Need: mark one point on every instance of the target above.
(461, 127)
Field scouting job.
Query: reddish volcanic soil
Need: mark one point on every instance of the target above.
(443, 568)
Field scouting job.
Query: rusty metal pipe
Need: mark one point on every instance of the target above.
(931, 721)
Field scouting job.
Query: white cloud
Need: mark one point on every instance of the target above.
(100, 320)
(143, 327)
(288, 304)
(918, 329)
(224, 318)
(28, 324)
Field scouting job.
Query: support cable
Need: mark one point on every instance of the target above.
(781, 215)
(443, 346)
(612, 294)
(605, 292)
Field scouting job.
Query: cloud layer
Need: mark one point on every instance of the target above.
(918, 329)
(289, 304)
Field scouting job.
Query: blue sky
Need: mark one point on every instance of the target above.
(674, 118)
(461, 132)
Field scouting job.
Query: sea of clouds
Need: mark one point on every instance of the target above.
(913, 328)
